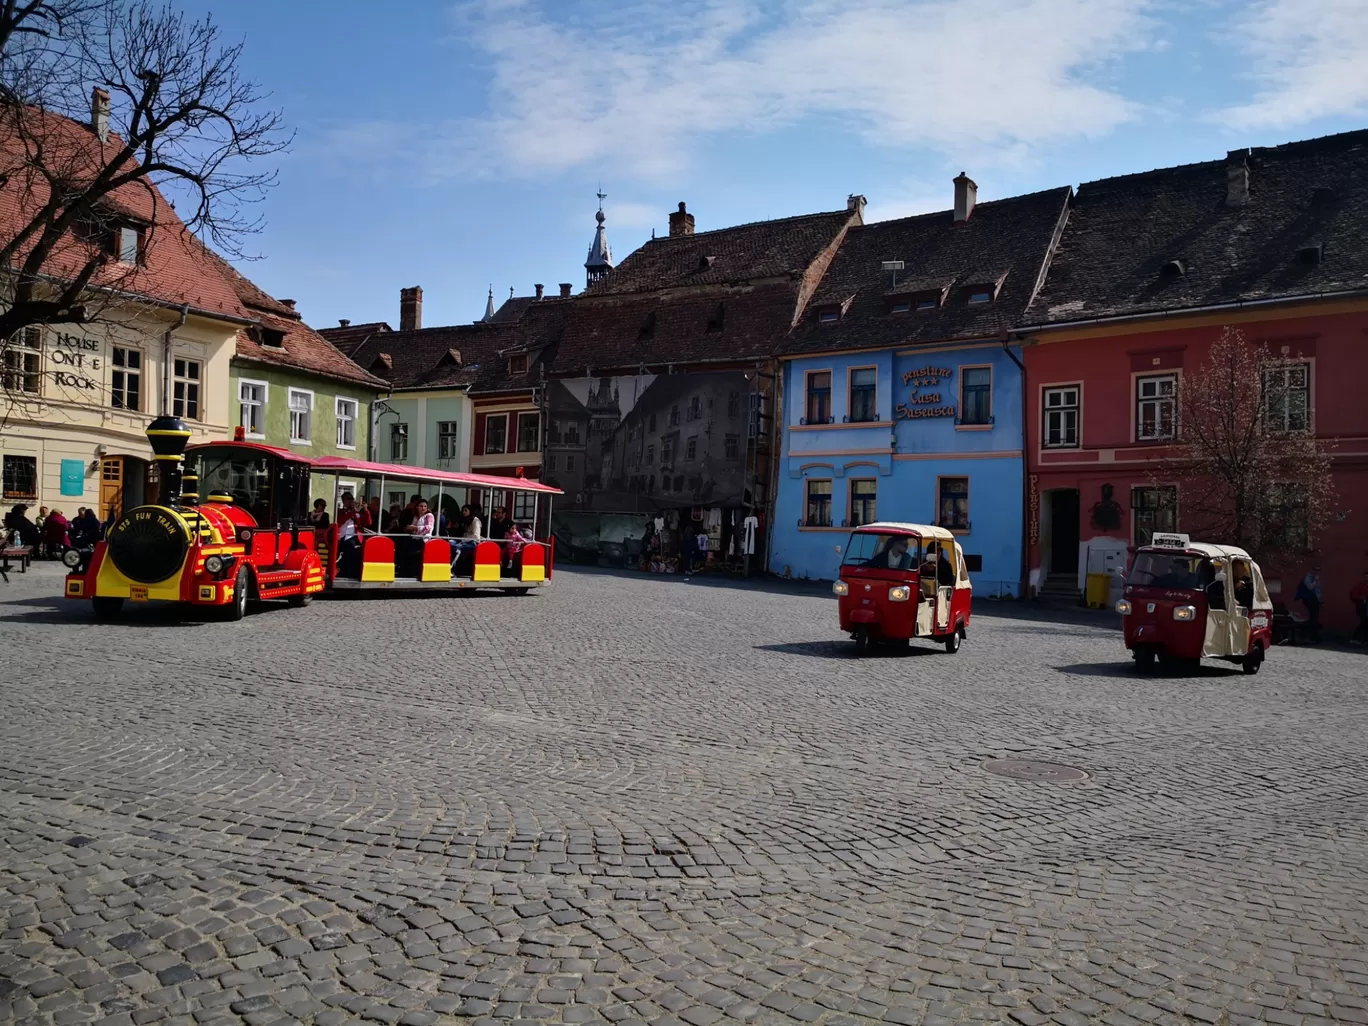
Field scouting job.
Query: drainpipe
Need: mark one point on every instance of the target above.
(166, 360)
(1024, 583)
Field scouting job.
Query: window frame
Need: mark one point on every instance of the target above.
(490, 418)
(1302, 544)
(5, 477)
(976, 425)
(399, 431)
(850, 394)
(122, 369)
(447, 441)
(291, 392)
(1045, 411)
(808, 499)
(1282, 365)
(536, 434)
(731, 443)
(808, 396)
(265, 396)
(1136, 511)
(940, 500)
(196, 382)
(118, 244)
(1137, 400)
(517, 363)
(691, 449)
(354, 419)
(851, 499)
(24, 348)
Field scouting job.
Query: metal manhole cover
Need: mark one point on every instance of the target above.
(1030, 769)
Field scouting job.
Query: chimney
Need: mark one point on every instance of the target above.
(856, 204)
(681, 222)
(565, 287)
(343, 323)
(1237, 178)
(99, 114)
(540, 289)
(966, 195)
(410, 309)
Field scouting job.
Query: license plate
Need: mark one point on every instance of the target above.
(138, 594)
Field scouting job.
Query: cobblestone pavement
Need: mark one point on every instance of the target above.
(631, 799)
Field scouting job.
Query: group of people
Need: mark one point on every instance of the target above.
(414, 524)
(50, 533)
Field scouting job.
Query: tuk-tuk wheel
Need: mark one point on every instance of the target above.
(1144, 659)
(952, 643)
(1253, 660)
(861, 637)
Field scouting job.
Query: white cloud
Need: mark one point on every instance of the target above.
(640, 84)
(1308, 62)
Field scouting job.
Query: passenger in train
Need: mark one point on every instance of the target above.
(350, 521)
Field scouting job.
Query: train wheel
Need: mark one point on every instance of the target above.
(107, 608)
(518, 591)
(301, 600)
(237, 609)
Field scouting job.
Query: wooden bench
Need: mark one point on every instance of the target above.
(23, 553)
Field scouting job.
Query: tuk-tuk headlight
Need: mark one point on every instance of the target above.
(72, 558)
(1185, 612)
(1124, 607)
(840, 588)
(899, 594)
(214, 564)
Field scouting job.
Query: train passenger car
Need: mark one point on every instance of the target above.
(371, 549)
(230, 527)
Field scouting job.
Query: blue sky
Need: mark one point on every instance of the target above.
(455, 146)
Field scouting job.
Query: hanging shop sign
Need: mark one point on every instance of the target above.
(922, 404)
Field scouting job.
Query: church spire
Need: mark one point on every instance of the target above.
(600, 260)
(489, 305)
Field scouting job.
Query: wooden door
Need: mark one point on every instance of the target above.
(111, 486)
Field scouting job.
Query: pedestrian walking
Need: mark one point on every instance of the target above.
(1310, 595)
(1358, 595)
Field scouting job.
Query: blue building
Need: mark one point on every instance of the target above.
(902, 399)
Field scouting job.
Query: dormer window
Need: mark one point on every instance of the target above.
(273, 338)
(517, 363)
(980, 296)
(899, 306)
(929, 303)
(1311, 254)
(1173, 269)
(828, 314)
(127, 244)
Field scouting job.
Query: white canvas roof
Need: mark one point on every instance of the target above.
(924, 530)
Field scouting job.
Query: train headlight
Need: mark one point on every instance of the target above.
(1185, 612)
(214, 564)
(840, 588)
(72, 558)
(1124, 607)
(899, 594)
(244, 535)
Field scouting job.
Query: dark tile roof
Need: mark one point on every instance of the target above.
(513, 308)
(1004, 240)
(710, 325)
(301, 347)
(348, 338)
(472, 356)
(1122, 231)
(745, 253)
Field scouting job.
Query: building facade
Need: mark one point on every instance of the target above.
(1150, 271)
(902, 395)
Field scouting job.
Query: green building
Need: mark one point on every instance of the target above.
(294, 390)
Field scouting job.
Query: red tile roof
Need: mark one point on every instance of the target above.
(349, 337)
(175, 270)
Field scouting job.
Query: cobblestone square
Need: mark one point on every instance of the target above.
(632, 799)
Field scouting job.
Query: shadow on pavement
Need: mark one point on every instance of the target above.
(846, 650)
(1126, 668)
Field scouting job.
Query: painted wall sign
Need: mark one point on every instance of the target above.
(73, 477)
(921, 405)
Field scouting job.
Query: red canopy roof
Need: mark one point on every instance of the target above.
(340, 464)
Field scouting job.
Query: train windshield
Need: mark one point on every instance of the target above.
(246, 477)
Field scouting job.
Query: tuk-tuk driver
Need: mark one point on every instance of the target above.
(897, 557)
(1178, 576)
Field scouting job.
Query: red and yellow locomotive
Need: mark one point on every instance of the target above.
(244, 541)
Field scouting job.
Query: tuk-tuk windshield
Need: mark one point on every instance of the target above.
(1174, 570)
(881, 551)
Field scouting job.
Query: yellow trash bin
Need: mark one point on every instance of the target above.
(1098, 591)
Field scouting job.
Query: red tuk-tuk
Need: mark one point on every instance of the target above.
(1186, 601)
(903, 581)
